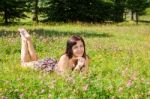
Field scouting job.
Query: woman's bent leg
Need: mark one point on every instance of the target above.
(32, 51)
(25, 57)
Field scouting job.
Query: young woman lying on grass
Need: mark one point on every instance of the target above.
(74, 59)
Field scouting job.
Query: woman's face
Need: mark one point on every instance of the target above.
(78, 49)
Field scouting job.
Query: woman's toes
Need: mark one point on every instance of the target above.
(24, 33)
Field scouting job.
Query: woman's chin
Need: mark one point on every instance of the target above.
(78, 55)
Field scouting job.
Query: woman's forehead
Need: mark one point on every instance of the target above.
(79, 41)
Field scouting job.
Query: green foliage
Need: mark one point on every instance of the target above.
(137, 5)
(147, 11)
(119, 7)
(12, 9)
(70, 10)
(79, 10)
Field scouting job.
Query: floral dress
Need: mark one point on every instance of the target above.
(47, 64)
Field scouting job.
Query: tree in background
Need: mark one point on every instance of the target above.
(119, 8)
(137, 7)
(79, 10)
(12, 9)
(35, 11)
(89, 10)
(71, 10)
(38, 8)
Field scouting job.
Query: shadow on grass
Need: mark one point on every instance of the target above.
(144, 21)
(50, 33)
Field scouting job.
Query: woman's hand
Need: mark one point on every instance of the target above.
(81, 62)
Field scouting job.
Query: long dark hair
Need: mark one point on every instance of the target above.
(71, 42)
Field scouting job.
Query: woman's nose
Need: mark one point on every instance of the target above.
(79, 48)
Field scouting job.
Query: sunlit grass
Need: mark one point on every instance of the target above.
(119, 67)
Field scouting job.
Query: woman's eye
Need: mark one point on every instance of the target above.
(81, 45)
(75, 47)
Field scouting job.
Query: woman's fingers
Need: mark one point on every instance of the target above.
(81, 59)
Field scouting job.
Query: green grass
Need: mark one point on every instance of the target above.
(118, 53)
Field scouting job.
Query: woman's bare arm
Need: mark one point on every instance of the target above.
(63, 64)
(82, 65)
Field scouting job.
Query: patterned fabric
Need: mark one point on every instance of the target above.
(47, 64)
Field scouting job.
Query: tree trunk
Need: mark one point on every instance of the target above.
(132, 15)
(5, 16)
(137, 17)
(36, 9)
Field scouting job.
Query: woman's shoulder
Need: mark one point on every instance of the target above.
(64, 57)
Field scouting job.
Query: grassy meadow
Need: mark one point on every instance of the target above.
(119, 62)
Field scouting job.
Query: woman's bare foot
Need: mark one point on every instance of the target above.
(24, 34)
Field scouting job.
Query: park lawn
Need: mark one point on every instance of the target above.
(119, 62)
